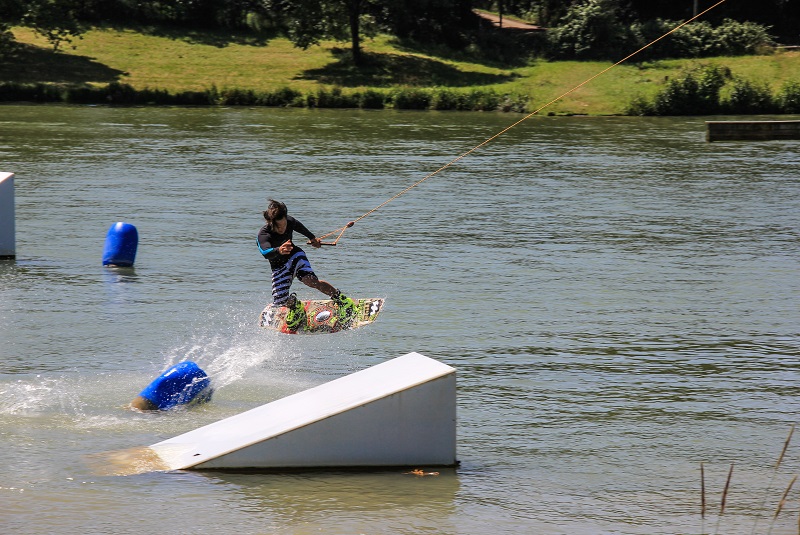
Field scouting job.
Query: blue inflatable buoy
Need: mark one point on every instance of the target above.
(181, 384)
(121, 242)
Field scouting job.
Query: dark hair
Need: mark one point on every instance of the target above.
(275, 212)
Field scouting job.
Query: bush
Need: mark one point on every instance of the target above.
(480, 100)
(591, 30)
(237, 97)
(155, 97)
(117, 93)
(749, 98)
(16, 92)
(243, 97)
(515, 103)
(411, 99)
(788, 99)
(640, 106)
(83, 95)
(694, 94)
(281, 98)
(331, 99)
(704, 93)
(695, 40)
(446, 99)
(196, 98)
(589, 33)
(734, 38)
(650, 30)
(372, 100)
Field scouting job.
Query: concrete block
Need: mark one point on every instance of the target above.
(751, 130)
(8, 245)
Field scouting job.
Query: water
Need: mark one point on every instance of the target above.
(619, 297)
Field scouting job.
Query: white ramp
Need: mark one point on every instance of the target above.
(398, 413)
(7, 236)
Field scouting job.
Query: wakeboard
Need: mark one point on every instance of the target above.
(321, 316)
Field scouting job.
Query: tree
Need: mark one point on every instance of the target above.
(429, 21)
(783, 16)
(310, 21)
(56, 20)
(592, 30)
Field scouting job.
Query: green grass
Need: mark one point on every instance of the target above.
(178, 61)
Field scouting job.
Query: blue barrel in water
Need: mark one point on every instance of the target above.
(181, 384)
(121, 242)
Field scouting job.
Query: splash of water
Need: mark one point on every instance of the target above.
(38, 395)
(229, 355)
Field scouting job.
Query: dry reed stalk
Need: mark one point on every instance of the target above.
(724, 499)
(783, 498)
(725, 491)
(774, 473)
(781, 504)
(702, 491)
(785, 447)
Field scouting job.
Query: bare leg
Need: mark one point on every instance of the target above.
(346, 307)
(320, 285)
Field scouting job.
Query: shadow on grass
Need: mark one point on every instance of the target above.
(500, 53)
(384, 70)
(32, 64)
(217, 38)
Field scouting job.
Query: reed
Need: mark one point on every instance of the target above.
(725, 491)
(785, 447)
(774, 473)
(783, 499)
(702, 491)
(724, 498)
(781, 503)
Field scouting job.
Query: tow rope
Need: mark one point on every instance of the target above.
(341, 230)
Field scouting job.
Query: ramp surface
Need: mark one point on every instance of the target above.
(398, 413)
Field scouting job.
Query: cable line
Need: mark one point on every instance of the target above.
(506, 129)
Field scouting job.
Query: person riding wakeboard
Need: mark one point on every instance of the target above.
(288, 261)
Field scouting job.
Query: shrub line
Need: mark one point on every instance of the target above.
(715, 90)
(412, 98)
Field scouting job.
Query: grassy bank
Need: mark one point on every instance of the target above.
(172, 61)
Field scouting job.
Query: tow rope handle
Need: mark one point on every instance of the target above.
(332, 243)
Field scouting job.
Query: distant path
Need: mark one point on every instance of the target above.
(508, 23)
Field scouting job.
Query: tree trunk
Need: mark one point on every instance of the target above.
(500, 11)
(354, 8)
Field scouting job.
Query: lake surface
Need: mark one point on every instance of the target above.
(619, 298)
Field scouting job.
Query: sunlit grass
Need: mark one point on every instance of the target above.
(174, 61)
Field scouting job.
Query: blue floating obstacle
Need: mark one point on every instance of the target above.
(182, 384)
(120, 247)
